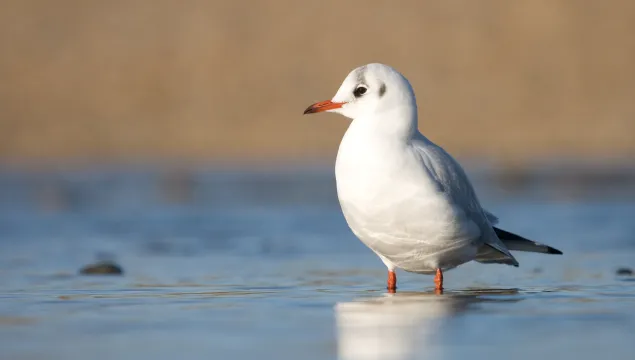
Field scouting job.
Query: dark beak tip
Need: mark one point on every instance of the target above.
(309, 110)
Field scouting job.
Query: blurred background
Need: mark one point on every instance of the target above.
(162, 142)
(164, 80)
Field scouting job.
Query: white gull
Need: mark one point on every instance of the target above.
(402, 195)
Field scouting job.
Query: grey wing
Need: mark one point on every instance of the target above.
(453, 180)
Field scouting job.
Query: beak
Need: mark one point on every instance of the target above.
(323, 106)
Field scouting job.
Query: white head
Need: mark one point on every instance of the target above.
(374, 93)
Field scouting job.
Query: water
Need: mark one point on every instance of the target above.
(245, 265)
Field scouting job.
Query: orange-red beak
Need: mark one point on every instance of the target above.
(322, 106)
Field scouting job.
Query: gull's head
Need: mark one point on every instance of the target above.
(370, 90)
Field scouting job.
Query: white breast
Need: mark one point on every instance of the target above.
(394, 207)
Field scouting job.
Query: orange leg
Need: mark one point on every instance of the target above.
(392, 282)
(438, 282)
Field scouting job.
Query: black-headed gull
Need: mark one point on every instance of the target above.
(402, 195)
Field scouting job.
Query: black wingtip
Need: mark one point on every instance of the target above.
(553, 251)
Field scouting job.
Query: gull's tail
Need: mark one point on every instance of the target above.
(519, 243)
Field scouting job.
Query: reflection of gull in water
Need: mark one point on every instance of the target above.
(399, 326)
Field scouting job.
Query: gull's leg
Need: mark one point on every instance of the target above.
(438, 282)
(392, 277)
(392, 282)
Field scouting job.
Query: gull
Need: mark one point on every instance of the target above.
(402, 195)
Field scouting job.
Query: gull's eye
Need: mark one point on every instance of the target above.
(359, 91)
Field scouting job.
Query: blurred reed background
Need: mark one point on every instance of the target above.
(190, 81)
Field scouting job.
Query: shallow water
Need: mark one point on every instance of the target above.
(261, 265)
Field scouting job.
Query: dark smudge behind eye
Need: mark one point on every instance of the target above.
(361, 79)
(382, 90)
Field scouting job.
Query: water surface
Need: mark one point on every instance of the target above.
(244, 265)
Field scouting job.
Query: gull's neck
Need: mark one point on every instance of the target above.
(398, 123)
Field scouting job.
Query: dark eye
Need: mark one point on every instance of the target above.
(359, 91)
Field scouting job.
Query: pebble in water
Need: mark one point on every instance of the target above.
(102, 268)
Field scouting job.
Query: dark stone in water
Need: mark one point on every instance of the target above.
(102, 268)
(624, 271)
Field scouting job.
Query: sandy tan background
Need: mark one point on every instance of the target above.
(207, 80)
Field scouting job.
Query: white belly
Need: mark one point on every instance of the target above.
(400, 214)
(414, 243)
